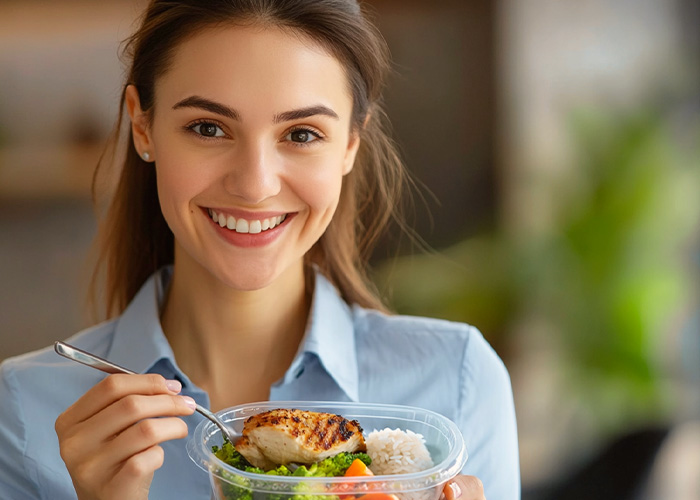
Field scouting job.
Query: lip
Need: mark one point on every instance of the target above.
(248, 240)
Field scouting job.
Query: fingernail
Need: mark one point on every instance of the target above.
(456, 490)
(189, 402)
(173, 385)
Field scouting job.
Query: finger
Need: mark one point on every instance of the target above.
(88, 437)
(464, 488)
(111, 389)
(93, 467)
(131, 479)
(135, 475)
(140, 437)
(130, 409)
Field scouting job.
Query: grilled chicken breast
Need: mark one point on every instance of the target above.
(283, 436)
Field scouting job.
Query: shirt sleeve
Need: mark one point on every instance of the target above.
(487, 420)
(15, 482)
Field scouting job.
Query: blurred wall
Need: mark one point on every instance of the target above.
(60, 79)
(43, 251)
(59, 82)
(442, 104)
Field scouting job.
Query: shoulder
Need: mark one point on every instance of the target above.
(373, 322)
(448, 358)
(23, 368)
(417, 335)
(30, 380)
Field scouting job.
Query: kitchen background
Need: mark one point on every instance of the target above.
(557, 151)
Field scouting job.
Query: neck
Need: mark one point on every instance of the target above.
(219, 334)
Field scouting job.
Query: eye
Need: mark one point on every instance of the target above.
(206, 129)
(303, 136)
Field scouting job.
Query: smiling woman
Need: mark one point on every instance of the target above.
(249, 149)
(256, 178)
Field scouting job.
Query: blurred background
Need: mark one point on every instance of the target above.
(556, 147)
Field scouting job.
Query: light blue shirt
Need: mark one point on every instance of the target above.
(348, 354)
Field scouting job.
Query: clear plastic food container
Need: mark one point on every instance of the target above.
(442, 438)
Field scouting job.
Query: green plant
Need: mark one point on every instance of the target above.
(608, 277)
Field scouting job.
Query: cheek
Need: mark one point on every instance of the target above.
(318, 185)
(172, 184)
(177, 186)
(177, 176)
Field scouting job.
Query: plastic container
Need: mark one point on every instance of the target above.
(442, 438)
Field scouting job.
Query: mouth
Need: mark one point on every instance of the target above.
(248, 226)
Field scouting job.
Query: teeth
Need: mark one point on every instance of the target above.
(246, 226)
(241, 226)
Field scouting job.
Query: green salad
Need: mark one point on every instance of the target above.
(334, 466)
(241, 488)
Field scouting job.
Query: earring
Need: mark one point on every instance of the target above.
(146, 156)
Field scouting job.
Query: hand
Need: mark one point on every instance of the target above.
(109, 439)
(464, 488)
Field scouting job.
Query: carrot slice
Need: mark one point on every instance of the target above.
(358, 468)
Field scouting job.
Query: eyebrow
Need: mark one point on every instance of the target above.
(223, 110)
(208, 105)
(297, 114)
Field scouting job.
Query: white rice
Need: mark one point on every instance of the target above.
(394, 451)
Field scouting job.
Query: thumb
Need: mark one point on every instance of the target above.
(464, 488)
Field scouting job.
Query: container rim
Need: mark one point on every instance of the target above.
(449, 467)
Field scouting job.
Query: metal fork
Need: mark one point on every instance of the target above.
(93, 361)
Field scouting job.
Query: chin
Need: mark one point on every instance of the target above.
(246, 282)
(249, 278)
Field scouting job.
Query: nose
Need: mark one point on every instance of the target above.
(254, 173)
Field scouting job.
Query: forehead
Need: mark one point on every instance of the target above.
(253, 66)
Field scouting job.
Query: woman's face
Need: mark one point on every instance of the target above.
(251, 138)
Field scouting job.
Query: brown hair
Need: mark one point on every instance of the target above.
(134, 239)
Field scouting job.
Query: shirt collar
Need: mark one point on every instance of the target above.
(330, 336)
(139, 343)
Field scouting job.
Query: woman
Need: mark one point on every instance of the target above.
(256, 178)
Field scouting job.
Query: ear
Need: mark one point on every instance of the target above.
(351, 152)
(354, 145)
(139, 123)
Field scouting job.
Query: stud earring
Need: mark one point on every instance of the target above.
(146, 156)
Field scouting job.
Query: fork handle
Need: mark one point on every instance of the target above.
(89, 359)
(94, 361)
